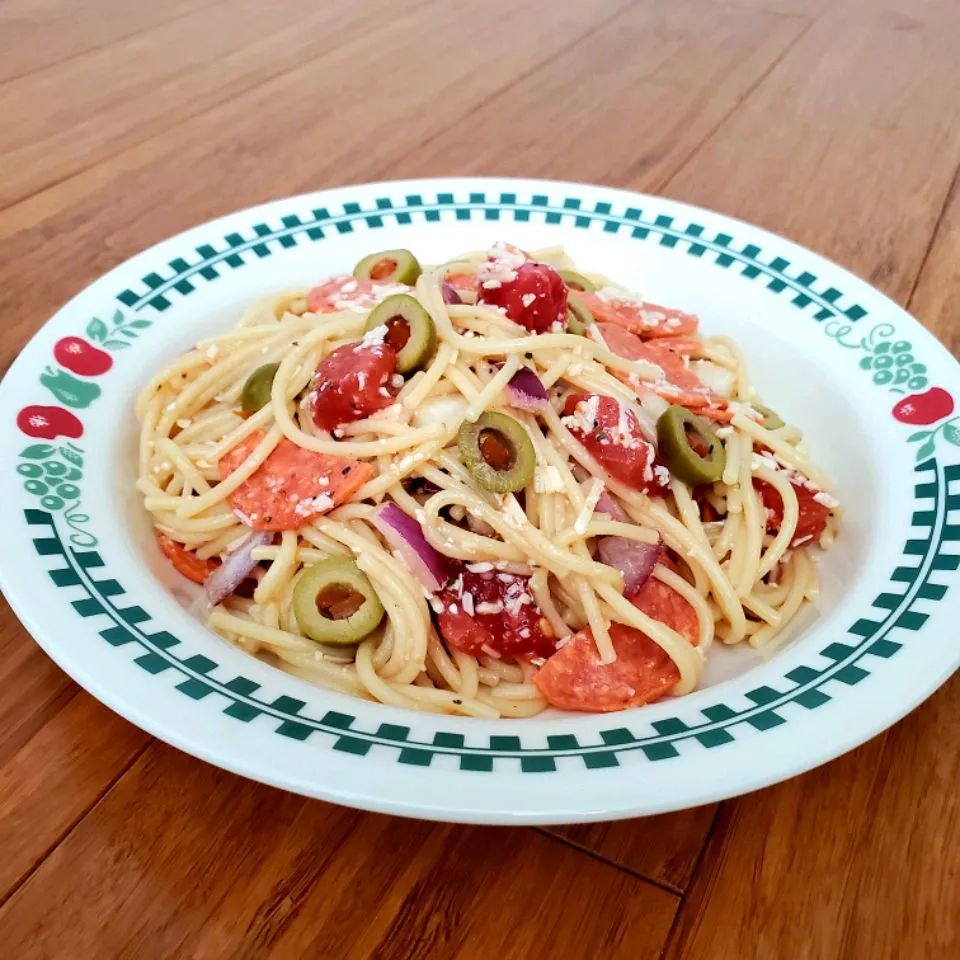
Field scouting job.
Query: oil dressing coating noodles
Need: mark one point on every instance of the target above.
(480, 488)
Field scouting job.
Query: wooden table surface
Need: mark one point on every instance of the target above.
(834, 123)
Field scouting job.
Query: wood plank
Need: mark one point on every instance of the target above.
(934, 302)
(664, 848)
(104, 214)
(649, 86)
(55, 777)
(169, 71)
(37, 33)
(849, 146)
(34, 687)
(903, 12)
(856, 859)
(181, 859)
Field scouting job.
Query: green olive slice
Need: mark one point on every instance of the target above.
(689, 447)
(497, 452)
(256, 391)
(389, 266)
(771, 419)
(410, 330)
(578, 317)
(335, 603)
(577, 281)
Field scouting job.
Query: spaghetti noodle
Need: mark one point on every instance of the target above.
(480, 488)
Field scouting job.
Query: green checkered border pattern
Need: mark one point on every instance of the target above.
(208, 261)
(895, 615)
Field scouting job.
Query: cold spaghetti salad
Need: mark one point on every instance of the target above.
(480, 488)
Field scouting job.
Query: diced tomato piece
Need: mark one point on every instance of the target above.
(184, 560)
(646, 319)
(812, 518)
(353, 382)
(575, 679)
(612, 434)
(532, 294)
(292, 486)
(480, 612)
(680, 384)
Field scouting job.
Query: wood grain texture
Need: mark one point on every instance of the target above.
(185, 860)
(38, 33)
(34, 688)
(627, 104)
(55, 777)
(856, 859)
(170, 71)
(835, 123)
(936, 300)
(849, 146)
(665, 848)
(335, 126)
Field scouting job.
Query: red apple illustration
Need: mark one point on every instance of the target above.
(81, 357)
(924, 408)
(48, 422)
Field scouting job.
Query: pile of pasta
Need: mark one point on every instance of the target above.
(648, 506)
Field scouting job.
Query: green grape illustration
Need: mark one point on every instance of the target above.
(51, 502)
(32, 470)
(68, 491)
(893, 364)
(36, 487)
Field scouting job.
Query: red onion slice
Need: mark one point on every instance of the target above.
(235, 568)
(635, 560)
(525, 390)
(606, 504)
(450, 295)
(431, 568)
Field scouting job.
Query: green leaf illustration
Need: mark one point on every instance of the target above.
(952, 434)
(118, 318)
(72, 456)
(116, 344)
(919, 435)
(37, 451)
(925, 451)
(97, 330)
(127, 332)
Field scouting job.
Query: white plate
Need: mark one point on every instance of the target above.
(80, 568)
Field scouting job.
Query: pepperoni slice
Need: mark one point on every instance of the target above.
(680, 384)
(661, 602)
(347, 293)
(647, 319)
(575, 679)
(185, 561)
(292, 486)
